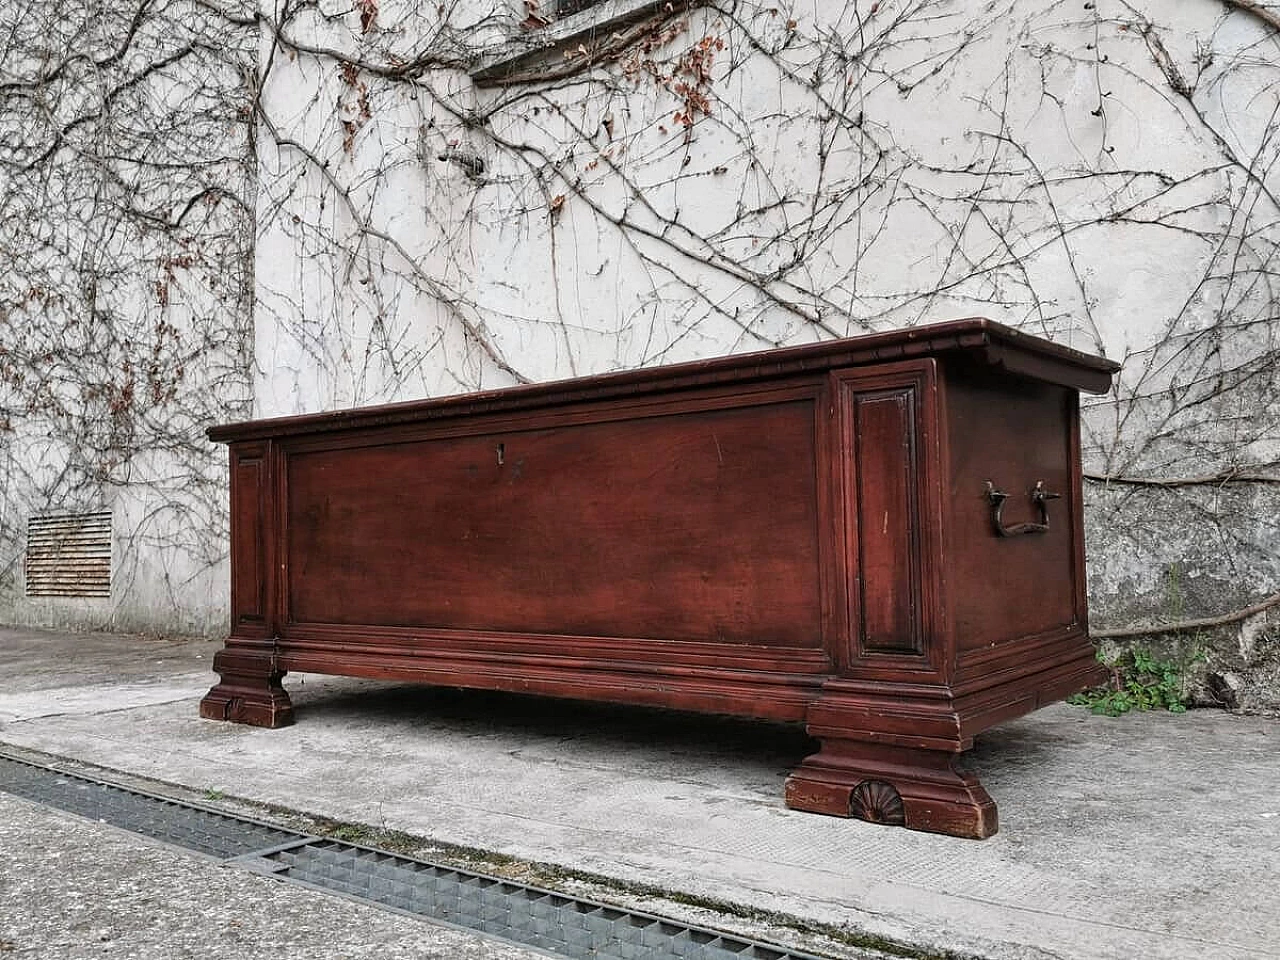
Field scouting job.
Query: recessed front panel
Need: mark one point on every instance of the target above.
(887, 548)
(888, 470)
(248, 566)
(691, 526)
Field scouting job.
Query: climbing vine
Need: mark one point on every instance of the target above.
(706, 178)
(125, 235)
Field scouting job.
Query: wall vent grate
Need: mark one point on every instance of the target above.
(69, 555)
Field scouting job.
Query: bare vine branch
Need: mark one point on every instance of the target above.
(1187, 626)
(1258, 10)
(196, 227)
(1204, 480)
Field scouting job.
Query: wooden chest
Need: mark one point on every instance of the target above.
(879, 537)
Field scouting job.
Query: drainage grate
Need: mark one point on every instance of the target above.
(530, 916)
(192, 828)
(563, 925)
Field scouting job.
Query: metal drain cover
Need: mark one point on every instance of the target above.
(552, 922)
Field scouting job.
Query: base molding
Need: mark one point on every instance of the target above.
(889, 754)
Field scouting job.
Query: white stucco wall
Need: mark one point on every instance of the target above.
(126, 204)
(1104, 175)
(926, 161)
(750, 174)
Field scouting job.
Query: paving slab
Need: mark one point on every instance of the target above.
(1151, 835)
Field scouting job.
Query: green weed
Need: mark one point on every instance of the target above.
(1138, 682)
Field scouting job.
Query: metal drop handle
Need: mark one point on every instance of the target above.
(1039, 496)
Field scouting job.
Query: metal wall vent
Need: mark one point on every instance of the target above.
(69, 555)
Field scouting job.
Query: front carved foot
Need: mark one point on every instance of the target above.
(250, 691)
(916, 789)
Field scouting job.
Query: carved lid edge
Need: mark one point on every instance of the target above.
(984, 340)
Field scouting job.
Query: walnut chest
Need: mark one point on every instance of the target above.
(879, 537)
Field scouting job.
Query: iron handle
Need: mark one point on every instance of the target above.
(1039, 496)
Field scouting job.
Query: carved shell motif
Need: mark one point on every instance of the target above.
(877, 802)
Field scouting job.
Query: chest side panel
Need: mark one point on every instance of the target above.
(1013, 434)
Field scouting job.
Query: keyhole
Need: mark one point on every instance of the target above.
(502, 453)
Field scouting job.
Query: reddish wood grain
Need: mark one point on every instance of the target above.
(888, 520)
(890, 467)
(699, 526)
(248, 571)
(1014, 434)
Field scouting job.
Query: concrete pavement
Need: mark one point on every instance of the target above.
(71, 889)
(1146, 836)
